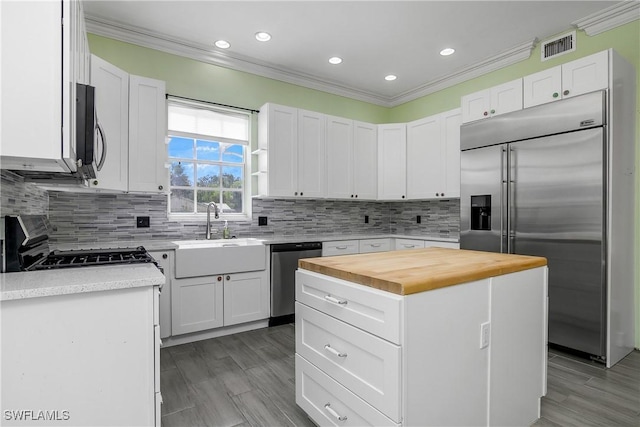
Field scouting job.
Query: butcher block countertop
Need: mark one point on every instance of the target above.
(418, 270)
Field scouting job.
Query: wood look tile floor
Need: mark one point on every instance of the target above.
(247, 379)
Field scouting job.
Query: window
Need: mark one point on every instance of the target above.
(209, 159)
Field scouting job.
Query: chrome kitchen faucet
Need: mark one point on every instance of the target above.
(216, 215)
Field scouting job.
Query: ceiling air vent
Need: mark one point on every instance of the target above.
(559, 46)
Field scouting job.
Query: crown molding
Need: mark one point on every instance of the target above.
(611, 17)
(508, 57)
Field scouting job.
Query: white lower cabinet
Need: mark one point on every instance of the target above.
(246, 297)
(165, 261)
(208, 302)
(374, 245)
(92, 355)
(340, 247)
(404, 244)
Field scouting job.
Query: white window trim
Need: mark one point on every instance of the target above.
(246, 199)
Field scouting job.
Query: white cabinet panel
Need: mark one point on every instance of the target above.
(165, 260)
(112, 115)
(278, 133)
(311, 154)
(246, 297)
(340, 247)
(147, 133)
(573, 78)
(494, 101)
(365, 161)
(450, 126)
(370, 309)
(404, 244)
(331, 404)
(436, 244)
(340, 158)
(424, 158)
(585, 75)
(392, 161)
(542, 87)
(196, 304)
(41, 62)
(374, 245)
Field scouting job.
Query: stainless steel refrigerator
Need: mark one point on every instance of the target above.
(533, 182)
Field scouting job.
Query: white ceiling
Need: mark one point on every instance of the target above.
(375, 38)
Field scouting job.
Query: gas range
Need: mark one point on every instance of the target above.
(27, 249)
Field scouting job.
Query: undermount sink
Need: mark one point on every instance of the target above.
(210, 257)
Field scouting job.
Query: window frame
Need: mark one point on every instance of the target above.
(246, 165)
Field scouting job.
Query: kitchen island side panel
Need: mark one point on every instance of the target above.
(445, 371)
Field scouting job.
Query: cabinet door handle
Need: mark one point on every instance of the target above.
(228, 277)
(566, 92)
(334, 351)
(334, 413)
(219, 278)
(165, 256)
(335, 300)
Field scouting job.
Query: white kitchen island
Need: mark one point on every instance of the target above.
(81, 347)
(427, 337)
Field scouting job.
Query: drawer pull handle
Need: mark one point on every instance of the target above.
(376, 245)
(334, 413)
(341, 247)
(335, 300)
(334, 351)
(409, 246)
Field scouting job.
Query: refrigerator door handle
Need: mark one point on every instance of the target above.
(511, 235)
(503, 198)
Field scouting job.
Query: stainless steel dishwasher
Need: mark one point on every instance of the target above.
(284, 262)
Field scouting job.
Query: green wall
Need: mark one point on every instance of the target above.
(194, 79)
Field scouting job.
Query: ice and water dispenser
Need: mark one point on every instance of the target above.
(481, 212)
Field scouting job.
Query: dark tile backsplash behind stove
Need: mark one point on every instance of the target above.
(91, 217)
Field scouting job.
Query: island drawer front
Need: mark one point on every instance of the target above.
(315, 391)
(374, 245)
(365, 364)
(372, 310)
(404, 244)
(438, 244)
(341, 247)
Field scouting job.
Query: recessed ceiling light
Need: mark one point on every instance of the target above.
(222, 44)
(261, 36)
(390, 77)
(335, 60)
(447, 51)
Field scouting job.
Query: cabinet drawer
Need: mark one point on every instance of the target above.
(374, 245)
(403, 244)
(372, 310)
(365, 364)
(436, 244)
(324, 400)
(342, 247)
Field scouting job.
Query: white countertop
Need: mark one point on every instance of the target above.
(165, 245)
(64, 281)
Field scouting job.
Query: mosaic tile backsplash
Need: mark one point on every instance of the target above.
(91, 217)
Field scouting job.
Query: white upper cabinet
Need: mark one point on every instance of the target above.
(352, 166)
(365, 161)
(433, 156)
(147, 135)
(340, 158)
(130, 146)
(424, 158)
(574, 78)
(278, 134)
(42, 59)
(392, 161)
(497, 100)
(311, 154)
(293, 142)
(112, 118)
